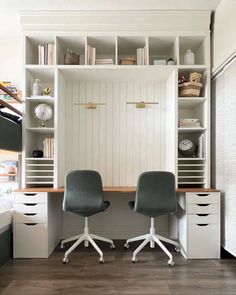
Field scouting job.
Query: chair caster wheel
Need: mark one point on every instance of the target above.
(177, 249)
(101, 260)
(171, 262)
(126, 246)
(65, 260)
(112, 247)
(134, 260)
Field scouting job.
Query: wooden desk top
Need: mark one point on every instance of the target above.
(115, 189)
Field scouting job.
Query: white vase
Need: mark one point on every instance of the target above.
(189, 57)
(37, 88)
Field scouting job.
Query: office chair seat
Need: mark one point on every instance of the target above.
(155, 196)
(84, 196)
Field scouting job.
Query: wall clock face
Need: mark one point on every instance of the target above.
(43, 112)
(186, 147)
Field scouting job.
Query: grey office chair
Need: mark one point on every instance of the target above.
(155, 196)
(84, 196)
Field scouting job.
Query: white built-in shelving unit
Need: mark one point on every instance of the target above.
(116, 138)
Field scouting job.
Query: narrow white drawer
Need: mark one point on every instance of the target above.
(30, 241)
(202, 198)
(202, 208)
(30, 208)
(203, 218)
(203, 241)
(30, 198)
(29, 217)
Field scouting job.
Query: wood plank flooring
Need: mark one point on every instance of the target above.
(118, 276)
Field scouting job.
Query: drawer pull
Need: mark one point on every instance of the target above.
(30, 214)
(202, 195)
(203, 205)
(30, 194)
(202, 214)
(30, 224)
(202, 224)
(29, 204)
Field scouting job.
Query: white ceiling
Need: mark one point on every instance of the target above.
(9, 13)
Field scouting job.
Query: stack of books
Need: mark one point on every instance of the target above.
(91, 55)
(127, 61)
(48, 147)
(189, 123)
(46, 54)
(201, 147)
(9, 86)
(104, 61)
(141, 56)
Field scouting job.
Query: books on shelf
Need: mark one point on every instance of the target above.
(48, 147)
(201, 146)
(46, 54)
(189, 123)
(141, 56)
(91, 55)
(104, 61)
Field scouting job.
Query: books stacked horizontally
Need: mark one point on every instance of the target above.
(46, 54)
(127, 61)
(9, 86)
(201, 146)
(189, 123)
(104, 61)
(141, 56)
(48, 147)
(91, 55)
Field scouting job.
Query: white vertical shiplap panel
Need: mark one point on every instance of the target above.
(123, 130)
(116, 135)
(150, 131)
(109, 133)
(95, 126)
(68, 136)
(156, 127)
(88, 130)
(118, 140)
(81, 125)
(136, 133)
(162, 135)
(130, 133)
(143, 128)
(75, 124)
(102, 131)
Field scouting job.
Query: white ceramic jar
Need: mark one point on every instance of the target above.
(189, 57)
(37, 88)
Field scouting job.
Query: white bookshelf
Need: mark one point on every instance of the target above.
(154, 130)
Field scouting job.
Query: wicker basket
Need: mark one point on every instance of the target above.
(190, 89)
(71, 58)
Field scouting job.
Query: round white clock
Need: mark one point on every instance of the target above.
(43, 112)
(187, 148)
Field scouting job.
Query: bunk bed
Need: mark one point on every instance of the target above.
(10, 140)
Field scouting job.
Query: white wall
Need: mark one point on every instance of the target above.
(11, 60)
(224, 34)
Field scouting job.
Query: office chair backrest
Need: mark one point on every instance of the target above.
(156, 193)
(83, 192)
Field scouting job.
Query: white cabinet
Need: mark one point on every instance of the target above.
(199, 225)
(35, 224)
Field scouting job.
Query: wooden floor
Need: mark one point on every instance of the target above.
(85, 276)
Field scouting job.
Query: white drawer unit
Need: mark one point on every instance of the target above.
(199, 225)
(35, 223)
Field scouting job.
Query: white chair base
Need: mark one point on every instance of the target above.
(87, 238)
(152, 238)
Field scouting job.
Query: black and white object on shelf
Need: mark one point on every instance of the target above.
(187, 148)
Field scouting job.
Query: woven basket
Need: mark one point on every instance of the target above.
(190, 89)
